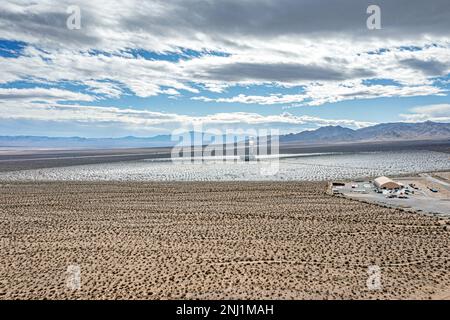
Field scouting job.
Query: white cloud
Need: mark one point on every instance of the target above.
(435, 112)
(274, 43)
(329, 93)
(320, 94)
(198, 24)
(108, 74)
(108, 89)
(171, 92)
(42, 94)
(269, 43)
(161, 122)
(263, 100)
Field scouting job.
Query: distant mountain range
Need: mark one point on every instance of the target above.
(384, 132)
(77, 142)
(325, 135)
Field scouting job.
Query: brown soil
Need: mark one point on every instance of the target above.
(213, 241)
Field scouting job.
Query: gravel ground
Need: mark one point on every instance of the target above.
(213, 240)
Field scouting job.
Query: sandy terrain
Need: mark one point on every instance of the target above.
(444, 176)
(213, 240)
(426, 181)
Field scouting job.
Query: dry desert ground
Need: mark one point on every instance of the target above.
(213, 241)
(443, 175)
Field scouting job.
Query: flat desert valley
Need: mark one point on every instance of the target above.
(214, 240)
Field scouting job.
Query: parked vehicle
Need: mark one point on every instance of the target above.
(412, 185)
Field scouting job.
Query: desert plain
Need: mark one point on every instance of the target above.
(213, 240)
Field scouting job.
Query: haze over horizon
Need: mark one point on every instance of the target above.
(146, 69)
(413, 134)
(234, 133)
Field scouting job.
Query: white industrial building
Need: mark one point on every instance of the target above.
(386, 183)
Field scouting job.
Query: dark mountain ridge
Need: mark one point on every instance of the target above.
(384, 132)
(398, 131)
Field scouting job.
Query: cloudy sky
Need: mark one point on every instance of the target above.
(148, 67)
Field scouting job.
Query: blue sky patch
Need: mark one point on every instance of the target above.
(11, 48)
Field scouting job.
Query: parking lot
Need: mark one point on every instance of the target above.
(421, 198)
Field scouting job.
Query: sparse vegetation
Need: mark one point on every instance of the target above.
(212, 240)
